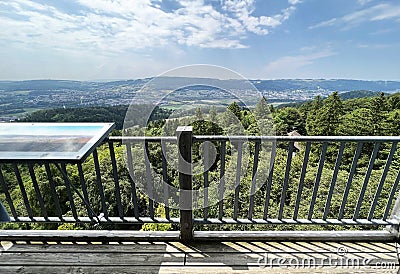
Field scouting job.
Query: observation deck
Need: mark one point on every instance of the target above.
(206, 203)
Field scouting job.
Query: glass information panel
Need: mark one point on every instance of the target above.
(50, 141)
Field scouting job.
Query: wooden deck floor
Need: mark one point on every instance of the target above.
(175, 257)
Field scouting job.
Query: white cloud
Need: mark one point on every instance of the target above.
(292, 65)
(376, 46)
(326, 23)
(294, 2)
(375, 13)
(363, 2)
(258, 25)
(117, 26)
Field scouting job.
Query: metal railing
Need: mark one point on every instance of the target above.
(239, 180)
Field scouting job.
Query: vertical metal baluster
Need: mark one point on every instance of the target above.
(269, 182)
(53, 191)
(334, 179)
(237, 182)
(116, 180)
(286, 179)
(84, 191)
(69, 191)
(23, 191)
(317, 179)
(382, 181)
(99, 183)
(165, 179)
(392, 194)
(131, 180)
(206, 182)
(37, 191)
(366, 179)
(150, 189)
(221, 189)
(301, 183)
(253, 179)
(8, 196)
(350, 179)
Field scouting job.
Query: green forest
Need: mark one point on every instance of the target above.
(332, 116)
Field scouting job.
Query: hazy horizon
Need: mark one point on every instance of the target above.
(151, 77)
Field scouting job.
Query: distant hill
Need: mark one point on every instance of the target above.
(340, 85)
(358, 94)
(355, 94)
(114, 114)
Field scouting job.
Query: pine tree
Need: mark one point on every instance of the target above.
(357, 122)
(328, 118)
(379, 114)
(311, 111)
(198, 114)
(287, 120)
(262, 110)
(213, 114)
(235, 109)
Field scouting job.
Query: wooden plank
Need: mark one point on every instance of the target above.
(96, 269)
(194, 247)
(257, 269)
(218, 236)
(88, 235)
(84, 247)
(299, 251)
(227, 257)
(354, 236)
(85, 259)
(169, 269)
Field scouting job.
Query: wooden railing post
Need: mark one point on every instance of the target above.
(185, 139)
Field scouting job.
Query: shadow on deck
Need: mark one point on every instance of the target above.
(198, 257)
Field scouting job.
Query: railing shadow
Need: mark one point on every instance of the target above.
(172, 257)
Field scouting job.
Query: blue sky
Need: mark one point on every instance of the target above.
(264, 39)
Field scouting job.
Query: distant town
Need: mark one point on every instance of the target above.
(19, 98)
